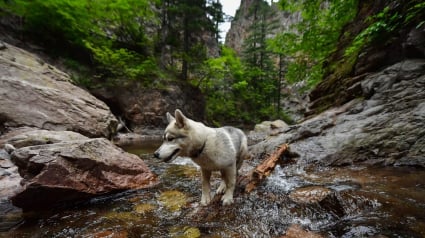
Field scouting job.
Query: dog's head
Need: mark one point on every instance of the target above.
(175, 137)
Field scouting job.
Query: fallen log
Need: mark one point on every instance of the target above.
(263, 170)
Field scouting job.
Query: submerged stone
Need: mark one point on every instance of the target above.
(173, 200)
(311, 194)
(185, 232)
(144, 208)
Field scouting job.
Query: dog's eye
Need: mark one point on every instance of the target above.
(170, 138)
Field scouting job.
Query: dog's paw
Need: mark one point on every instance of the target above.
(227, 200)
(222, 188)
(205, 200)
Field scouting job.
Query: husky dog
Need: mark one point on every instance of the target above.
(213, 149)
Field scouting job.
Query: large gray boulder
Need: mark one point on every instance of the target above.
(385, 126)
(74, 170)
(34, 93)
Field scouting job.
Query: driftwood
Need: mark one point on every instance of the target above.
(263, 170)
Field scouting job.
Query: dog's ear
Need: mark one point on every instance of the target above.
(169, 117)
(181, 120)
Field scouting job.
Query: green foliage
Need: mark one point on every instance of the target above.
(114, 33)
(260, 73)
(57, 20)
(222, 84)
(124, 65)
(314, 38)
(80, 74)
(383, 24)
(186, 22)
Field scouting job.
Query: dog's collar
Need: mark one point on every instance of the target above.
(199, 152)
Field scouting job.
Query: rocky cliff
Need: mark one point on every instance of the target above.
(295, 103)
(343, 77)
(370, 111)
(240, 25)
(36, 94)
(46, 156)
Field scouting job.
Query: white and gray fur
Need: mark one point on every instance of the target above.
(213, 149)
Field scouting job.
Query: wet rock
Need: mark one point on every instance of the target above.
(144, 208)
(23, 137)
(9, 148)
(9, 177)
(69, 171)
(33, 93)
(418, 161)
(363, 231)
(173, 200)
(10, 216)
(311, 194)
(5, 159)
(185, 232)
(296, 231)
(109, 233)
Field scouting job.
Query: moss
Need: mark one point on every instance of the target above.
(173, 200)
(144, 208)
(185, 232)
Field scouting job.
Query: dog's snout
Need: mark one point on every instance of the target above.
(156, 154)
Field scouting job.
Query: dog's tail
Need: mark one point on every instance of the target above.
(243, 152)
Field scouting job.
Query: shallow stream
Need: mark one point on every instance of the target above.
(331, 202)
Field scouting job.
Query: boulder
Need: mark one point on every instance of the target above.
(69, 171)
(383, 127)
(36, 94)
(42, 137)
(266, 128)
(9, 177)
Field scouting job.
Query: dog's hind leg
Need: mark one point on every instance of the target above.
(206, 187)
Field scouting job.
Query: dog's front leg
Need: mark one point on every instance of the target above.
(229, 176)
(206, 187)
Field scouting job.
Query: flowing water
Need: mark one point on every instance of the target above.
(331, 202)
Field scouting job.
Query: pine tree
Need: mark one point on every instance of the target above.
(184, 23)
(258, 59)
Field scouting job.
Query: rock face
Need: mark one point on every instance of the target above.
(72, 170)
(32, 137)
(385, 126)
(343, 73)
(9, 177)
(293, 103)
(144, 109)
(33, 93)
(239, 29)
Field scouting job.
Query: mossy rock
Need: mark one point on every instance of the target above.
(184, 232)
(173, 200)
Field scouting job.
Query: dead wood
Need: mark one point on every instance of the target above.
(263, 170)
